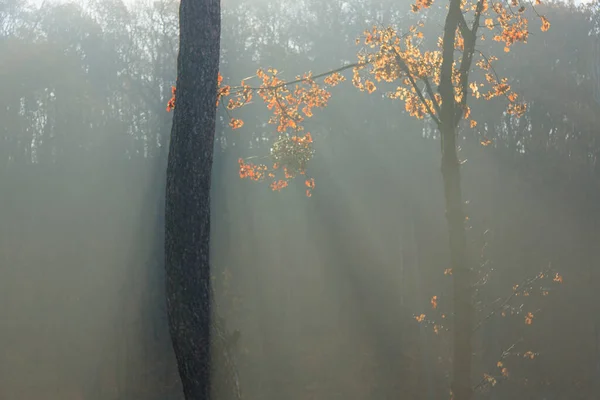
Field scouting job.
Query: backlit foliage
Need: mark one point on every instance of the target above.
(291, 103)
(391, 57)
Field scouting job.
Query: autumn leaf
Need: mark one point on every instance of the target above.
(236, 123)
(171, 103)
(278, 185)
(529, 318)
(545, 23)
(370, 86)
(334, 78)
(474, 89)
(434, 303)
(490, 379)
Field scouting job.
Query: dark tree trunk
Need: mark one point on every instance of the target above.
(187, 208)
(461, 277)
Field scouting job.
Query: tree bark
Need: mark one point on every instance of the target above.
(187, 206)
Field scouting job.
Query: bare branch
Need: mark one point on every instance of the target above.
(526, 282)
(504, 354)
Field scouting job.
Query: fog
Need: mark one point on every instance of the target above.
(342, 295)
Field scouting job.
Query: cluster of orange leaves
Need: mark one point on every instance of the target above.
(388, 57)
(291, 103)
(290, 155)
(290, 106)
(503, 370)
(399, 58)
(171, 102)
(434, 302)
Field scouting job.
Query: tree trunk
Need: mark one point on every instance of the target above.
(461, 268)
(187, 208)
(461, 271)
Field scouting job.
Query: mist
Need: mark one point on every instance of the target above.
(345, 294)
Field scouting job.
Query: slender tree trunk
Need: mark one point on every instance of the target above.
(462, 288)
(461, 271)
(187, 208)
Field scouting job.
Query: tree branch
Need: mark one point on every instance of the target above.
(429, 89)
(404, 67)
(477, 18)
(333, 71)
(470, 39)
(505, 353)
(526, 282)
(321, 75)
(462, 25)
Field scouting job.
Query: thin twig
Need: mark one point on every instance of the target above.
(526, 282)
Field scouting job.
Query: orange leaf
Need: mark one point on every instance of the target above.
(545, 24)
(434, 302)
(236, 123)
(529, 318)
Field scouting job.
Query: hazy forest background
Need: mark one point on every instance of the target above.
(324, 290)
